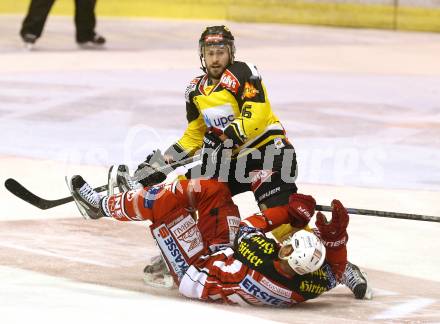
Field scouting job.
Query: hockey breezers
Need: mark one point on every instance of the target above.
(21, 192)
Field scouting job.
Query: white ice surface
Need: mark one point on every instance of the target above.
(361, 107)
(46, 299)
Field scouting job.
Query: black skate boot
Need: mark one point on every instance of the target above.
(357, 281)
(96, 42)
(86, 199)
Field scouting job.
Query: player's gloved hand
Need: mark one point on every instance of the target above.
(212, 150)
(301, 209)
(148, 172)
(334, 232)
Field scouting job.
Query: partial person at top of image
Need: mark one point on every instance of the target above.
(85, 23)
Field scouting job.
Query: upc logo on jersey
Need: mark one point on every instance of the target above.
(230, 81)
(188, 235)
(219, 117)
(263, 294)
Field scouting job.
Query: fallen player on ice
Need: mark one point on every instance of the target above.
(212, 255)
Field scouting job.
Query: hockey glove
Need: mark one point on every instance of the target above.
(148, 172)
(301, 209)
(333, 233)
(212, 151)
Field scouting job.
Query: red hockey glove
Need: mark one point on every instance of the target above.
(334, 233)
(301, 209)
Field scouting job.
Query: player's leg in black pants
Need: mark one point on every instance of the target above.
(85, 20)
(281, 160)
(35, 19)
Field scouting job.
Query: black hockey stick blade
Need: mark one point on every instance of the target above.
(378, 213)
(21, 192)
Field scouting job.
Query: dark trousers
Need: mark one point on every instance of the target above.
(85, 19)
(284, 162)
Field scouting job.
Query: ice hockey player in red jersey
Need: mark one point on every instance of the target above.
(217, 257)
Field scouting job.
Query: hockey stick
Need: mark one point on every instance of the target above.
(21, 192)
(379, 213)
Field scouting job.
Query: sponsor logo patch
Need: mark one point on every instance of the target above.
(171, 250)
(258, 177)
(229, 81)
(249, 91)
(311, 287)
(278, 142)
(233, 224)
(188, 235)
(190, 88)
(263, 294)
(219, 117)
(269, 193)
(275, 288)
(214, 38)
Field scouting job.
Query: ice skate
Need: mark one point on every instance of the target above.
(97, 42)
(86, 199)
(157, 274)
(29, 41)
(124, 181)
(119, 176)
(357, 281)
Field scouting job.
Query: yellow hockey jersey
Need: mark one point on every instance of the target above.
(238, 105)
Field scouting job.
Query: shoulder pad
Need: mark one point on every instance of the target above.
(244, 70)
(191, 87)
(238, 74)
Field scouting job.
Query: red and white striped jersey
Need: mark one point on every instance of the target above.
(248, 274)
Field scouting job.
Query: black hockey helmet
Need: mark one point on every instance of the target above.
(216, 35)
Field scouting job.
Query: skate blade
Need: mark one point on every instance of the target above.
(165, 281)
(91, 47)
(368, 293)
(80, 207)
(112, 180)
(28, 47)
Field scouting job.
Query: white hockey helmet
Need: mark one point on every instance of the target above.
(303, 251)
